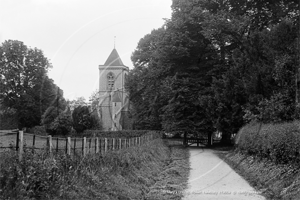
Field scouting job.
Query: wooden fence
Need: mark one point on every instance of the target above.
(196, 141)
(74, 146)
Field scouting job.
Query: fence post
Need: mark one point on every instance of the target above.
(100, 146)
(129, 142)
(17, 141)
(66, 146)
(49, 144)
(84, 146)
(33, 143)
(56, 144)
(74, 146)
(113, 143)
(20, 144)
(69, 146)
(90, 145)
(105, 145)
(120, 143)
(97, 145)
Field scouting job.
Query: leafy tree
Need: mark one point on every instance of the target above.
(145, 82)
(80, 101)
(82, 119)
(214, 62)
(62, 125)
(25, 86)
(181, 112)
(95, 111)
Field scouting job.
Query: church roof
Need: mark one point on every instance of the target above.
(114, 59)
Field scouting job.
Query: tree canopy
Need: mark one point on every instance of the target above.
(215, 65)
(25, 85)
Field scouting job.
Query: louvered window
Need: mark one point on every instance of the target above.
(110, 81)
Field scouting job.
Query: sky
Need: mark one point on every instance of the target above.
(78, 35)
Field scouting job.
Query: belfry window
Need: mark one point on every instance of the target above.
(110, 81)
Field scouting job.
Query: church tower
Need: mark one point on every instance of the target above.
(113, 99)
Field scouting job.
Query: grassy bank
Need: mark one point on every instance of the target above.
(275, 181)
(156, 170)
(268, 156)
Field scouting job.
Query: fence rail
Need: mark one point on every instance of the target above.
(19, 141)
(198, 141)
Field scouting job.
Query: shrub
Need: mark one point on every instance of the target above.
(34, 177)
(82, 119)
(62, 125)
(278, 142)
(38, 130)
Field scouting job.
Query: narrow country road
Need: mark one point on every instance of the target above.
(211, 178)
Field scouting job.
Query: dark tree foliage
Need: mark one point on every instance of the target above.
(215, 65)
(25, 86)
(62, 125)
(83, 119)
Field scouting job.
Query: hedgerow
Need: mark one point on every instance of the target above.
(118, 134)
(277, 142)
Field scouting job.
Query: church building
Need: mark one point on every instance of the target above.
(113, 98)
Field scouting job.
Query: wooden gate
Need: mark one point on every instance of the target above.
(198, 141)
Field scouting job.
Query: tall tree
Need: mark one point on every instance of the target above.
(233, 57)
(23, 78)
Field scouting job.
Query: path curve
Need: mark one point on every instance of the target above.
(211, 178)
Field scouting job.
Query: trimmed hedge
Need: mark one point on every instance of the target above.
(278, 142)
(118, 134)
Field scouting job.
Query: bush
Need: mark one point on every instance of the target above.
(62, 125)
(38, 130)
(278, 142)
(82, 119)
(34, 177)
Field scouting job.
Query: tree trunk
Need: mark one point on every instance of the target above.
(226, 138)
(185, 138)
(209, 138)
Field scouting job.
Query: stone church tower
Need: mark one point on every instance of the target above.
(113, 99)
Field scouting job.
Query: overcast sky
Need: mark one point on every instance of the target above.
(78, 35)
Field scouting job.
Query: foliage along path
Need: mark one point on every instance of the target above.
(212, 178)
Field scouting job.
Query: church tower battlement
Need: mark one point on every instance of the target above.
(113, 98)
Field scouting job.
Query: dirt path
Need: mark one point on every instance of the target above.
(211, 178)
